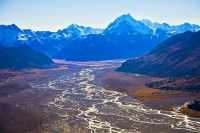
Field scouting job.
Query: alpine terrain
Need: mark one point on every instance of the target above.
(123, 38)
(43, 41)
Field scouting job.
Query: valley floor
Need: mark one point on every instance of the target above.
(21, 108)
(134, 86)
(75, 99)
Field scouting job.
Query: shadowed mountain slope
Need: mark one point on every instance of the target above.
(22, 57)
(175, 57)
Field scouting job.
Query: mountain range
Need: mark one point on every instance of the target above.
(44, 41)
(171, 29)
(125, 37)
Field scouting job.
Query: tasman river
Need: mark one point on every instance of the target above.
(84, 106)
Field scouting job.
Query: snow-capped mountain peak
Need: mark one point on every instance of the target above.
(73, 26)
(128, 18)
(173, 29)
(14, 27)
(127, 21)
(9, 34)
(79, 31)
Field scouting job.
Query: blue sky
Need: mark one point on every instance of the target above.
(58, 14)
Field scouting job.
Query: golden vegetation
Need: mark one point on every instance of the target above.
(134, 86)
(190, 112)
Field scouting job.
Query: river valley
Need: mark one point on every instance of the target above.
(76, 102)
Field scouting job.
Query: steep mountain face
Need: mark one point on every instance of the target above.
(127, 24)
(177, 56)
(43, 41)
(22, 57)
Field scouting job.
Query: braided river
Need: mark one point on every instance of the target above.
(84, 106)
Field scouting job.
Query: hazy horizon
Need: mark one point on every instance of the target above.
(55, 15)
